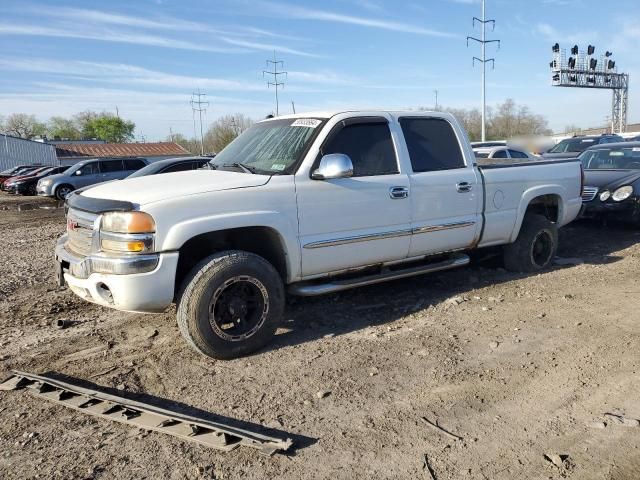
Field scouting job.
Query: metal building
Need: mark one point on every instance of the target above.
(16, 151)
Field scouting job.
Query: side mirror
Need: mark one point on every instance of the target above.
(334, 165)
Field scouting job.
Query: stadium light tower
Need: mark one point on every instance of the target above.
(585, 70)
(484, 60)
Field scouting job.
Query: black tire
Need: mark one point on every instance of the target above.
(535, 247)
(62, 191)
(220, 284)
(31, 190)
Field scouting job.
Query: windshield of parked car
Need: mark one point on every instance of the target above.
(621, 158)
(573, 145)
(272, 147)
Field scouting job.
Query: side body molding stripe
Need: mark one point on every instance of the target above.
(385, 235)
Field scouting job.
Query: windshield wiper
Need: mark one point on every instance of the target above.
(245, 168)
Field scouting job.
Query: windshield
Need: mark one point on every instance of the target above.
(612, 158)
(271, 147)
(573, 145)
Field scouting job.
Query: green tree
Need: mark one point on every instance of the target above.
(109, 128)
(60, 127)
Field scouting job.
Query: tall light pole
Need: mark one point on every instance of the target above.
(484, 60)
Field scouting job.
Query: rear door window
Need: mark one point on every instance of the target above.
(369, 146)
(500, 154)
(432, 144)
(178, 167)
(133, 164)
(111, 166)
(517, 154)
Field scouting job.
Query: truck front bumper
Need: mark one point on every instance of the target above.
(144, 283)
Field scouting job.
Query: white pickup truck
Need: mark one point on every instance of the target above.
(308, 204)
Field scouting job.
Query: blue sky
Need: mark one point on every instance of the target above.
(145, 57)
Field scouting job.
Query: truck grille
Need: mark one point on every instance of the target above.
(80, 231)
(589, 193)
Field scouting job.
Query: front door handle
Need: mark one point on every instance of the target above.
(398, 192)
(464, 187)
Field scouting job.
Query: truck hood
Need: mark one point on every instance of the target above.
(153, 188)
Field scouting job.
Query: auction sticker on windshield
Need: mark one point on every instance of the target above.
(306, 122)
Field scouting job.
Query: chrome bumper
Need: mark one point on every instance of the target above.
(82, 267)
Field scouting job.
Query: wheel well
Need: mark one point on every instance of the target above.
(545, 205)
(263, 241)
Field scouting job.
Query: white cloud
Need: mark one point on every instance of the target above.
(303, 13)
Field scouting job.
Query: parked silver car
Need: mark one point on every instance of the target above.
(88, 172)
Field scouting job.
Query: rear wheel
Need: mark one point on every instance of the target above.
(232, 304)
(63, 191)
(535, 247)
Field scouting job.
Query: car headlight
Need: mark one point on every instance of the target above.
(127, 232)
(604, 196)
(622, 193)
(45, 183)
(128, 222)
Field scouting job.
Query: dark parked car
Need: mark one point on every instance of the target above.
(612, 181)
(26, 185)
(633, 139)
(572, 147)
(20, 169)
(21, 175)
(172, 165)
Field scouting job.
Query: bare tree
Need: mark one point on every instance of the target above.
(224, 130)
(23, 125)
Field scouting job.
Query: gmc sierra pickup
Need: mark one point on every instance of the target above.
(308, 204)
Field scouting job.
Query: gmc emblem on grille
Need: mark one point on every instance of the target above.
(71, 225)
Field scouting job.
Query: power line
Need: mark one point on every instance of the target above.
(274, 80)
(199, 106)
(484, 60)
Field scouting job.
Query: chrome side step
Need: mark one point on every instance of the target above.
(310, 289)
(145, 416)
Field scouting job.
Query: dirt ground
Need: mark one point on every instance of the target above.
(518, 366)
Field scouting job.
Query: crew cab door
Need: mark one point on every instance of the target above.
(446, 193)
(361, 220)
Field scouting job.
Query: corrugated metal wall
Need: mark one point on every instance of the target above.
(17, 151)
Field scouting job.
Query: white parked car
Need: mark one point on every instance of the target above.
(307, 204)
(504, 152)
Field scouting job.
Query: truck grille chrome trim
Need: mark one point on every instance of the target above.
(80, 231)
(589, 193)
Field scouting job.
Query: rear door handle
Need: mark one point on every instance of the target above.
(398, 192)
(464, 187)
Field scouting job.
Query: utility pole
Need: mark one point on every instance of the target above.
(484, 60)
(436, 107)
(199, 106)
(274, 74)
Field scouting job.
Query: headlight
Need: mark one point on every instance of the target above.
(127, 232)
(128, 222)
(622, 193)
(604, 196)
(45, 183)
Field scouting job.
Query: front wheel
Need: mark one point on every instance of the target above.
(63, 191)
(535, 247)
(232, 304)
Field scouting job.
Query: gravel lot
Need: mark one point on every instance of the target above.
(519, 366)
